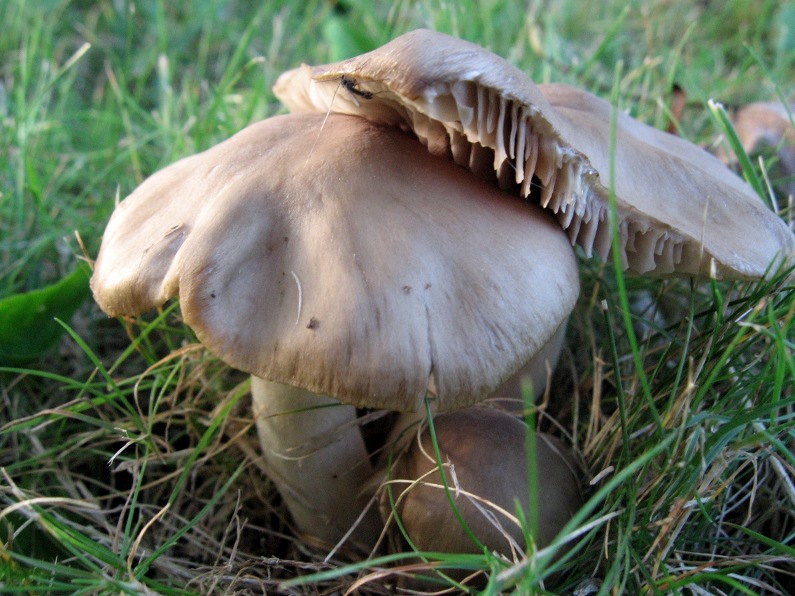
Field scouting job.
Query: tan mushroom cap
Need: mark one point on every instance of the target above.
(343, 259)
(765, 122)
(484, 451)
(763, 126)
(680, 212)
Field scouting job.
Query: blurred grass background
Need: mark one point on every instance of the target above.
(95, 96)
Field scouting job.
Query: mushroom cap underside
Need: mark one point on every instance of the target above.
(338, 256)
(679, 210)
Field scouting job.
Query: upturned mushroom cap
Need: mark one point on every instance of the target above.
(680, 212)
(343, 259)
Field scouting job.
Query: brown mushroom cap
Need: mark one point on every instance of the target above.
(343, 259)
(484, 451)
(765, 122)
(680, 212)
(763, 126)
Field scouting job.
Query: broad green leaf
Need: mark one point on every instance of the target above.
(29, 322)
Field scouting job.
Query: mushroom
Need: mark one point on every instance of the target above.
(767, 124)
(483, 452)
(334, 257)
(679, 212)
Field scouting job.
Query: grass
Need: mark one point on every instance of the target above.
(127, 458)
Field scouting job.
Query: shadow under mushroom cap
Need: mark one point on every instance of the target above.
(680, 211)
(343, 259)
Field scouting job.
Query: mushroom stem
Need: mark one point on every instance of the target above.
(314, 449)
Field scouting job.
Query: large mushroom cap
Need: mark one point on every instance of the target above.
(341, 258)
(680, 212)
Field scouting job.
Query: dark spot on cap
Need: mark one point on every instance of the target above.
(407, 289)
(313, 323)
